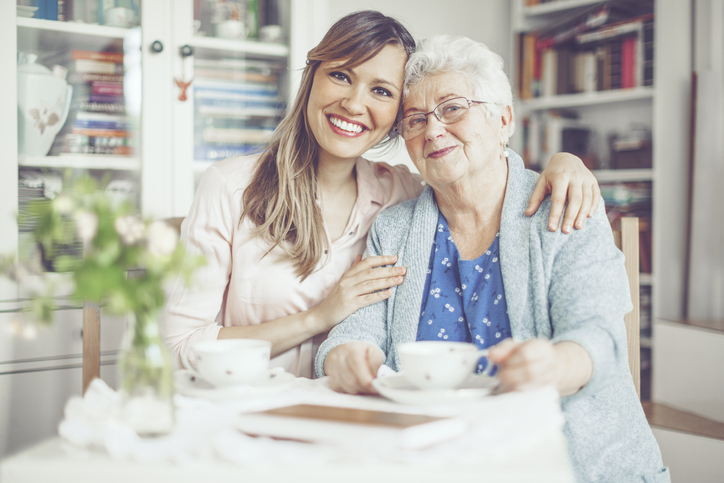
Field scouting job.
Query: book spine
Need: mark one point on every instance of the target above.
(115, 89)
(95, 66)
(100, 107)
(111, 99)
(51, 10)
(61, 11)
(116, 57)
(42, 9)
(103, 133)
(87, 77)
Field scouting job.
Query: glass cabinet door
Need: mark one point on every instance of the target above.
(235, 54)
(79, 100)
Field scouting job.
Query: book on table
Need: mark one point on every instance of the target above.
(352, 426)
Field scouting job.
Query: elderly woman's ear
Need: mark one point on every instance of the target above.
(506, 120)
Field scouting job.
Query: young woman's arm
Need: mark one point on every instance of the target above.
(567, 180)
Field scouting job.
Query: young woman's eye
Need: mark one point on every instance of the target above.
(340, 76)
(381, 91)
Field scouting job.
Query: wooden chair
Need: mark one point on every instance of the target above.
(92, 331)
(629, 245)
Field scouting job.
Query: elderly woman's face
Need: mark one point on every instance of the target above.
(448, 153)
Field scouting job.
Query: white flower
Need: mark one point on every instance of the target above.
(162, 238)
(86, 225)
(63, 205)
(129, 228)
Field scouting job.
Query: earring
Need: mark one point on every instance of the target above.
(505, 149)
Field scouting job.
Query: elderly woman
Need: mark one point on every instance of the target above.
(551, 306)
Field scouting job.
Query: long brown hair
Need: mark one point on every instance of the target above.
(280, 199)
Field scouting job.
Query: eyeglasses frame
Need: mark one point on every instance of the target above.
(425, 115)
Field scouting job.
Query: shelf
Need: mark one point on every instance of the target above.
(555, 7)
(623, 175)
(38, 35)
(246, 48)
(76, 28)
(82, 161)
(646, 279)
(586, 99)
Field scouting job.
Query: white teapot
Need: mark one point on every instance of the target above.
(43, 105)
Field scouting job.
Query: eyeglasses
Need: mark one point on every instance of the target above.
(448, 112)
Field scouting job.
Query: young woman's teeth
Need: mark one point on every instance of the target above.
(345, 126)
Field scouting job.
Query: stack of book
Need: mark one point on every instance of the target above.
(607, 46)
(97, 123)
(237, 106)
(546, 133)
(631, 199)
(85, 11)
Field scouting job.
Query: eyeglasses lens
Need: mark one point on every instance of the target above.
(447, 112)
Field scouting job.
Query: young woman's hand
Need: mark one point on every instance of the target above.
(565, 175)
(365, 283)
(351, 367)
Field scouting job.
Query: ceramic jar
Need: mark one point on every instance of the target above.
(43, 105)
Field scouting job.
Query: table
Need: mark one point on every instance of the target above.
(505, 451)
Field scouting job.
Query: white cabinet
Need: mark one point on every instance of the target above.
(128, 125)
(657, 192)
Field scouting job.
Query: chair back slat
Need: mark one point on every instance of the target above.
(630, 249)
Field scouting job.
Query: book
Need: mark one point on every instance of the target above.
(352, 426)
(96, 66)
(116, 57)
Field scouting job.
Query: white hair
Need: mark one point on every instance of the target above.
(480, 66)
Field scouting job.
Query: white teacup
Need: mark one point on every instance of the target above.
(228, 362)
(439, 364)
(230, 29)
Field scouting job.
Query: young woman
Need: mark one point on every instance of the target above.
(280, 231)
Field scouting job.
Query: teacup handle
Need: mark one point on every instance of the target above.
(489, 366)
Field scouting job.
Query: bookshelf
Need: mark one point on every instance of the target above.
(659, 109)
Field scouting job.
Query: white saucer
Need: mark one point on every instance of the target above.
(399, 389)
(25, 11)
(189, 383)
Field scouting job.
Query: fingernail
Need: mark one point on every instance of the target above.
(552, 226)
(567, 228)
(579, 225)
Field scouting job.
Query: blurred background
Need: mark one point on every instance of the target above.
(145, 95)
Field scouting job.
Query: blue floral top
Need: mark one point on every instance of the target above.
(464, 300)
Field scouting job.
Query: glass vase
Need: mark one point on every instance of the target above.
(146, 378)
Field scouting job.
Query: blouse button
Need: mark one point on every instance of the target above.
(326, 252)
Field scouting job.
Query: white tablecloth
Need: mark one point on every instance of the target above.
(512, 436)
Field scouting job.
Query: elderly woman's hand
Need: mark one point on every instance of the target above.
(564, 175)
(538, 362)
(351, 367)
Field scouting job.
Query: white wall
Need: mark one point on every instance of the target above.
(486, 21)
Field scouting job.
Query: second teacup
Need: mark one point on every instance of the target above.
(228, 362)
(439, 364)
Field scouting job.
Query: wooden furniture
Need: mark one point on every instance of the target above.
(630, 248)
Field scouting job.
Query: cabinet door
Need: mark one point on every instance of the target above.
(242, 61)
(78, 98)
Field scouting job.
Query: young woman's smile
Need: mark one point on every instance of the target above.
(350, 110)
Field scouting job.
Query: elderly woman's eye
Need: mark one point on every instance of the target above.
(416, 121)
(451, 108)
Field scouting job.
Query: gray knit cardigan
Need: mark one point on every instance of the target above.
(557, 286)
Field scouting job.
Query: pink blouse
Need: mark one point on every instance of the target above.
(239, 287)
